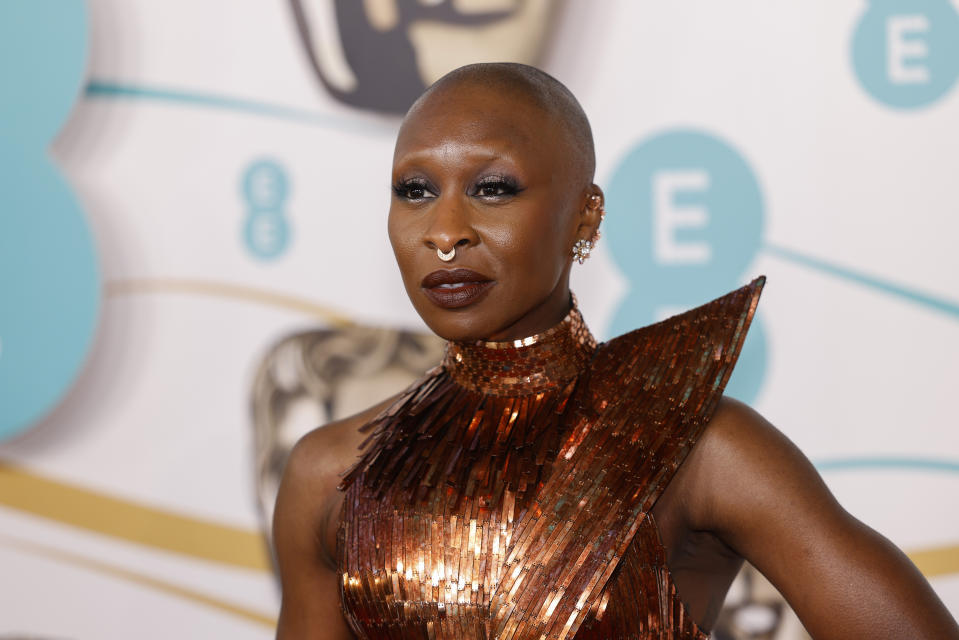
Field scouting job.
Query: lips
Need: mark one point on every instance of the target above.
(455, 288)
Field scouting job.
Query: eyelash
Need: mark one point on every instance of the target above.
(504, 185)
(403, 188)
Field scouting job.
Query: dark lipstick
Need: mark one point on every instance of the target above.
(455, 288)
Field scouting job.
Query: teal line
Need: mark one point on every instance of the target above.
(943, 306)
(102, 89)
(885, 463)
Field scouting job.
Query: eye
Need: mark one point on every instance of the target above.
(414, 189)
(496, 187)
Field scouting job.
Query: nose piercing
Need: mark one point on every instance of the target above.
(446, 257)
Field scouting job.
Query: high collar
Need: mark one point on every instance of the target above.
(529, 365)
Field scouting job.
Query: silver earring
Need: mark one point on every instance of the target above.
(581, 250)
(446, 257)
(595, 202)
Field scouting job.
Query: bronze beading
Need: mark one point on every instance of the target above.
(507, 494)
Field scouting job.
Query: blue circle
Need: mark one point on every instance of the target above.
(50, 291)
(906, 52)
(49, 277)
(651, 190)
(265, 185)
(266, 234)
(43, 45)
(747, 378)
(685, 221)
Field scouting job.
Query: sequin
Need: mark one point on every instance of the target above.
(508, 493)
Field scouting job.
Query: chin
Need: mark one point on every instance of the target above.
(458, 329)
(476, 321)
(463, 324)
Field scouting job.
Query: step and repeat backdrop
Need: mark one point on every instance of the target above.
(194, 267)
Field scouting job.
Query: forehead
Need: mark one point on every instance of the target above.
(504, 121)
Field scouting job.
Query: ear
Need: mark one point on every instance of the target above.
(592, 214)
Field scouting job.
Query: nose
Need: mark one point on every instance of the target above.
(450, 226)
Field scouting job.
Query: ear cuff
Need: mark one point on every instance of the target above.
(582, 247)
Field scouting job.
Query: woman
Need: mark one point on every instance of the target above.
(537, 485)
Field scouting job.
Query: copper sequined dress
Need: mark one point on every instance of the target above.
(508, 493)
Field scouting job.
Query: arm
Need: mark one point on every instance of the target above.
(306, 500)
(304, 529)
(752, 487)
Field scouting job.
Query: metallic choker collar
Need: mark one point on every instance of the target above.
(519, 367)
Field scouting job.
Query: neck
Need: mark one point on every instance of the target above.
(546, 314)
(532, 364)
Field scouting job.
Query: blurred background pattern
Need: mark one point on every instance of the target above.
(194, 267)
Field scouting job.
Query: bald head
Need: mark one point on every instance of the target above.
(520, 81)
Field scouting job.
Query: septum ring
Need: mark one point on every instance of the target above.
(446, 257)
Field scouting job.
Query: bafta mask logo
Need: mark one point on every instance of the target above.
(314, 377)
(381, 54)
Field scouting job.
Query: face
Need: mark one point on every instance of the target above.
(487, 176)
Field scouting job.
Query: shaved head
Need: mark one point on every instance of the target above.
(493, 167)
(530, 84)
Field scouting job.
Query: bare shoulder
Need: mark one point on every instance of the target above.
(327, 451)
(742, 452)
(738, 433)
(318, 461)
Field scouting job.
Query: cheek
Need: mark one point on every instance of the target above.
(547, 251)
(547, 256)
(535, 253)
(403, 240)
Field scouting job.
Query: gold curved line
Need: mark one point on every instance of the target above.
(228, 290)
(138, 578)
(936, 561)
(152, 527)
(93, 511)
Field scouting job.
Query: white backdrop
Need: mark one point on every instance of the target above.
(813, 142)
